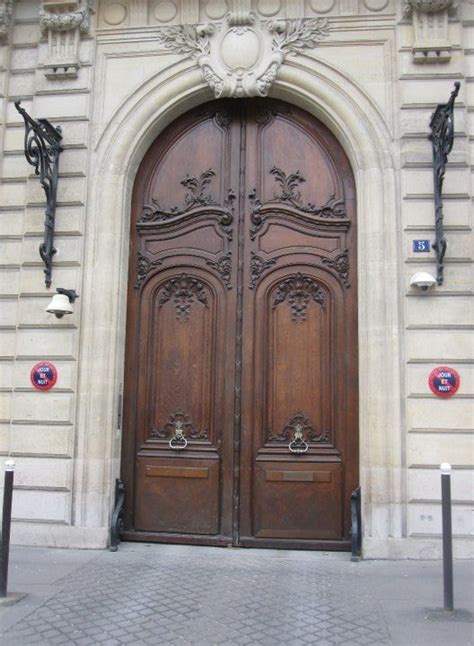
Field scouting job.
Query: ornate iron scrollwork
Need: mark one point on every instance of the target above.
(441, 137)
(42, 150)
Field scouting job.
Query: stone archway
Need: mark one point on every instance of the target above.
(334, 99)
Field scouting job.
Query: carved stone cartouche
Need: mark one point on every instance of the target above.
(242, 56)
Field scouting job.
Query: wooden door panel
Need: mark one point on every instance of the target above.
(298, 359)
(296, 353)
(181, 332)
(178, 496)
(298, 502)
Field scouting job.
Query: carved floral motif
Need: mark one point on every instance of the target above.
(6, 16)
(299, 423)
(341, 265)
(144, 266)
(197, 196)
(242, 57)
(184, 291)
(223, 266)
(289, 193)
(67, 20)
(63, 27)
(430, 26)
(427, 6)
(179, 422)
(299, 290)
(257, 267)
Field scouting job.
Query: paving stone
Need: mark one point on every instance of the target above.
(215, 598)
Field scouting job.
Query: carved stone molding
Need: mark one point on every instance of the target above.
(299, 422)
(430, 25)
(62, 23)
(242, 56)
(298, 291)
(184, 291)
(179, 421)
(6, 19)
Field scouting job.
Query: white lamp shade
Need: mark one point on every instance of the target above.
(59, 305)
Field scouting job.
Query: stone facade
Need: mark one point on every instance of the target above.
(117, 82)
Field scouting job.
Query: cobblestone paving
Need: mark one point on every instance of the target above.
(158, 595)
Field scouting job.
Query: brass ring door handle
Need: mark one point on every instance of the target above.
(178, 442)
(298, 444)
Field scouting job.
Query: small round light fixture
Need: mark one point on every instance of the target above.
(62, 301)
(423, 280)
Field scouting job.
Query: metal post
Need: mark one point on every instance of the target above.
(447, 536)
(6, 525)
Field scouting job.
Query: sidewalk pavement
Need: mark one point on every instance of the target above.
(168, 594)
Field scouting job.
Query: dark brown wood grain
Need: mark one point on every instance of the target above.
(242, 332)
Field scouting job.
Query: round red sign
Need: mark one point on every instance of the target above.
(43, 375)
(444, 381)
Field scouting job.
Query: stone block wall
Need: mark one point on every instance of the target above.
(40, 432)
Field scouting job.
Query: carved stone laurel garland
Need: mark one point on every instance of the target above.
(62, 23)
(299, 422)
(298, 290)
(184, 291)
(6, 18)
(66, 20)
(241, 56)
(430, 27)
(182, 422)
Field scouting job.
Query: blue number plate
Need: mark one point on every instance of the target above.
(421, 246)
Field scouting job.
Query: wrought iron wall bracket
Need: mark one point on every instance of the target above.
(42, 150)
(441, 137)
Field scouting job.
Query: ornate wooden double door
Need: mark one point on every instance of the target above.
(240, 408)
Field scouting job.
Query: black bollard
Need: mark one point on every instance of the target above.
(6, 526)
(447, 537)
